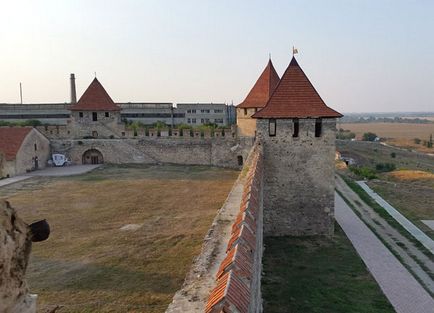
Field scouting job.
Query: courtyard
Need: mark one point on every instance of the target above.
(122, 237)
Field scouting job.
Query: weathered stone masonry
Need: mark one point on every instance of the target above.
(298, 178)
(223, 152)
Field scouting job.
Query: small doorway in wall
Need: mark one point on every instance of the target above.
(92, 156)
(35, 163)
(240, 160)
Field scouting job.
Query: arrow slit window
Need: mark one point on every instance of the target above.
(272, 127)
(296, 127)
(318, 127)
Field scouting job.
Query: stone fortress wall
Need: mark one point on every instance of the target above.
(298, 177)
(238, 279)
(222, 152)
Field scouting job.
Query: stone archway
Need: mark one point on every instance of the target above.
(92, 156)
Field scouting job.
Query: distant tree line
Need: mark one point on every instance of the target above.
(22, 123)
(427, 143)
(374, 119)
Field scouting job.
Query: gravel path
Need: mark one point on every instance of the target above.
(400, 287)
(409, 226)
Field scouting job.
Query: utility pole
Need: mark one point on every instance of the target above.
(21, 93)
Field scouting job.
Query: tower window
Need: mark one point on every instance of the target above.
(94, 116)
(318, 127)
(80, 114)
(245, 111)
(107, 114)
(296, 127)
(272, 127)
(36, 147)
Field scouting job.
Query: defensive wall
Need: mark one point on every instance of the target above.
(226, 276)
(222, 151)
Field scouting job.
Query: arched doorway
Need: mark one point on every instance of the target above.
(92, 156)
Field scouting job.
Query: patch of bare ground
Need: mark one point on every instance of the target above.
(92, 262)
(420, 264)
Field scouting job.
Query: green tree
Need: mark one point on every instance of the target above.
(369, 136)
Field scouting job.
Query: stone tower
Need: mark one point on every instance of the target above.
(95, 114)
(297, 131)
(256, 100)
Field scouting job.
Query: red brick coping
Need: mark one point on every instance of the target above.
(233, 292)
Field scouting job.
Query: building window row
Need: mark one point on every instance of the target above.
(272, 128)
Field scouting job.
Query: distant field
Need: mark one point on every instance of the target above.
(397, 134)
(123, 237)
(391, 130)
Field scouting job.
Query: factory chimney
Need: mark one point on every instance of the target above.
(73, 92)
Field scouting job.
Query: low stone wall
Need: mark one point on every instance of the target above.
(193, 151)
(238, 280)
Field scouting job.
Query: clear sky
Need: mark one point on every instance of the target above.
(360, 55)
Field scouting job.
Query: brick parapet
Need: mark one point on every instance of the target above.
(238, 280)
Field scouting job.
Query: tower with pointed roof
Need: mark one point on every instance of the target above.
(95, 115)
(297, 131)
(256, 99)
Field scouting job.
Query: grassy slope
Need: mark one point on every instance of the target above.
(412, 193)
(89, 264)
(318, 275)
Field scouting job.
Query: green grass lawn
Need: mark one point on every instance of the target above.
(318, 275)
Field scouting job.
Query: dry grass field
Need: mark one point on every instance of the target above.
(91, 264)
(391, 130)
(398, 134)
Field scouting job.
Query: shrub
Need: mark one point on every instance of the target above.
(345, 134)
(417, 141)
(363, 171)
(369, 136)
(385, 167)
(393, 155)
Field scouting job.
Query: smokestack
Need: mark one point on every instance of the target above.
(73, 92)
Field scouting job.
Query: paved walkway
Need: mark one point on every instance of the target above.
(51, 171)
(8, 181)
(403, 291)
(409, 226)
(64, 170)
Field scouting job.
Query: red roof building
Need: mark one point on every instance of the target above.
(11, 139)
(95, 98)
(22, 149)
(263, 88)
(295, 97)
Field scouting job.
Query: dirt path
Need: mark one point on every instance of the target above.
(419, 264)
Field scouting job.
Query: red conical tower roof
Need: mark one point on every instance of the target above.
(295, 97)
(95, 98)
(263, 88)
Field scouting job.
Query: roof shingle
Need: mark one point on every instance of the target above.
(263, 88)
(11, 139)
(295, 97)
(95, 98)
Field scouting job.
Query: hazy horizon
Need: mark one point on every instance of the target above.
(361, 56)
